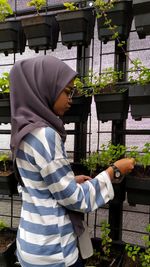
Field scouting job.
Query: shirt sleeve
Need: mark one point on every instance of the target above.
(60, 180)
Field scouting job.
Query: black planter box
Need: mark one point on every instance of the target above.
(138, 187)
(141, 10)
(8, 258)
(77, 27)
(79, 111)
(8, 184)
(121, 16)
(5, 110)
(12, 37)
(41, 32)
(139, 98)
(112, 106)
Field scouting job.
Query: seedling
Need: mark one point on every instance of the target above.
(3, 225)
(5, 10)
(4, 158)
(70, 6)
(38, 4)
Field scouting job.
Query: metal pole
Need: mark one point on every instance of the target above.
(80, 141)
(116, 208)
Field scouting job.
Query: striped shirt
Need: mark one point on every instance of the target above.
(45, 234)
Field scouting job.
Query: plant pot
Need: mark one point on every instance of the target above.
(41, 32)
(7, 247)
(12, 37)
(8, 182)
(139, 98)
(77, 27)
(121, 16)
(115, 256)
(141, 10)
(113, 106)
(79, 111)
(138, 186)
(4, 109)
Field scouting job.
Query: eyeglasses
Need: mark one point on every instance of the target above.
(71, 91)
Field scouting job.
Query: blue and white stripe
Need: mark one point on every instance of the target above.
(45, 235)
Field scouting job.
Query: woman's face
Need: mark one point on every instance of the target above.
(64, 100)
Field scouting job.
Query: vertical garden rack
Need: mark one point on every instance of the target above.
(83, 59)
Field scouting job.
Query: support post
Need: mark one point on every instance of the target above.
(116, 209)
(80, 138)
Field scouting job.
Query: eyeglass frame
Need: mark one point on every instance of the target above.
(72, 92)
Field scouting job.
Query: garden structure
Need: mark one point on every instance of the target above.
(86, 133)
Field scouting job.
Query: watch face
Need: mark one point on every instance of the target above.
(117, 174)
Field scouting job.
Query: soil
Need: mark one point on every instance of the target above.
(127, 262)
(6, 238)
(114, 260)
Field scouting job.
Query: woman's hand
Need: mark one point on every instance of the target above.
(82, 178)
(125, 166)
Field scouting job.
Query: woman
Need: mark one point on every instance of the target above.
(41, 91)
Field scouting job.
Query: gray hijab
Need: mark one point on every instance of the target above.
(35, 84)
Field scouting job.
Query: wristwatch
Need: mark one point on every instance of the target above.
(117, 173)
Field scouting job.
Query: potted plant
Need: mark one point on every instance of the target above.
(12, 37)
(4, 98)
(81, 104)
(136, 256)
(41, 30)
(81, 23)
(141, 10)
(8, 183)
(114, 19)
(139, 92)
(98, 161)
(110, 95)
(7, 245)
(138, 181)
(106, 252)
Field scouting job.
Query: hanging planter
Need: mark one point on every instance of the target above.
(8, 183)
(79, 111)
(138, 181)
(120, 15)
(77, 27)
(41, 32)
(138, 186)
(112, 106)
(139, 99)
(12, 37)
(5, 110)
(139, 90)
(4, 98)
(141, 10)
